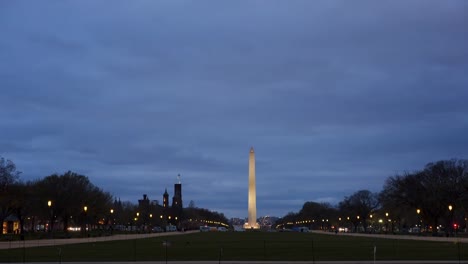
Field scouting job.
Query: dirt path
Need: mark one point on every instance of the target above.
(55, 242)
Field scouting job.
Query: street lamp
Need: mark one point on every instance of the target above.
(450, 207)
(85, 210)
(386, 223)
(51, 221)
(418, 211)
(111, 220)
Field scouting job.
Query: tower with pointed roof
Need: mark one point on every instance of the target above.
(177, 199)
(166, 199)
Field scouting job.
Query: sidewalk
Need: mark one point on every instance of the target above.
(405, 237)
(66, 241)
(54, 242)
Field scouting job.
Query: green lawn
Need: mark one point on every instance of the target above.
(244, 246)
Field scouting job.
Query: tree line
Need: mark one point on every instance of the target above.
(59, 201)
(433, 199)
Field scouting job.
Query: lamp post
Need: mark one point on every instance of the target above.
(137, 223)
(418, 211)
(450, 207)
(111, 220)
(386, 223)
(85, 210)
(151, 222)
(51, 213)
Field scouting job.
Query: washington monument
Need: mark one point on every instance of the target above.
(252, 221)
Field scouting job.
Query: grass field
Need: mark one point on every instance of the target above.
(243, 246)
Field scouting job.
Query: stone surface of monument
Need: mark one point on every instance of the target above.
(252, 206)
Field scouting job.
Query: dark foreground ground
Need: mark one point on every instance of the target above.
(265, 262)
(243, 247)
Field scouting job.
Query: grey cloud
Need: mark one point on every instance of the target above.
(335, 96)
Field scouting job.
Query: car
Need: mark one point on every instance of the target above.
(157, 229)
(171, 228)
(204, 228)
(222, 229)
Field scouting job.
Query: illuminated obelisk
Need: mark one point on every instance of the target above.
(252, 220)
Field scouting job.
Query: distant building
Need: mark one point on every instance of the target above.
(165, 214)
(144, 204)
(177, 199)
(11, 225)
(173, 214)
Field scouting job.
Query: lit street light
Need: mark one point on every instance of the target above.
(111, 220)
(418, 211)
(386, 223)
(450, 207)
(85, 211)
(51, 221)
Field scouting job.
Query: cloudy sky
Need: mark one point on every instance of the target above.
(335, 96)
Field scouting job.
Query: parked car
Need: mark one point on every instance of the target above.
(204, 228)
(157, 229)
(171, 228)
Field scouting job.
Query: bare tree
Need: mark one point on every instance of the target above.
(8, 176)
(359, 206)
(431, 190)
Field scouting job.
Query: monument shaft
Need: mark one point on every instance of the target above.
(252, 208)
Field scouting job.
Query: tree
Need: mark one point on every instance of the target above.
(8, 176)
(191, 204)
(431, 190)
(69, 194)
(23, 203)
(317, 211)
(8, 173)
(359, 206)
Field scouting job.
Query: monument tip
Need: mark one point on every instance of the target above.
(251, 149)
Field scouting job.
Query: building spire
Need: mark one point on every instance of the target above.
(178, 179)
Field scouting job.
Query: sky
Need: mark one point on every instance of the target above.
(334, 96)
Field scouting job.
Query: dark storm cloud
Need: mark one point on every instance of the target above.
(335, 96)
